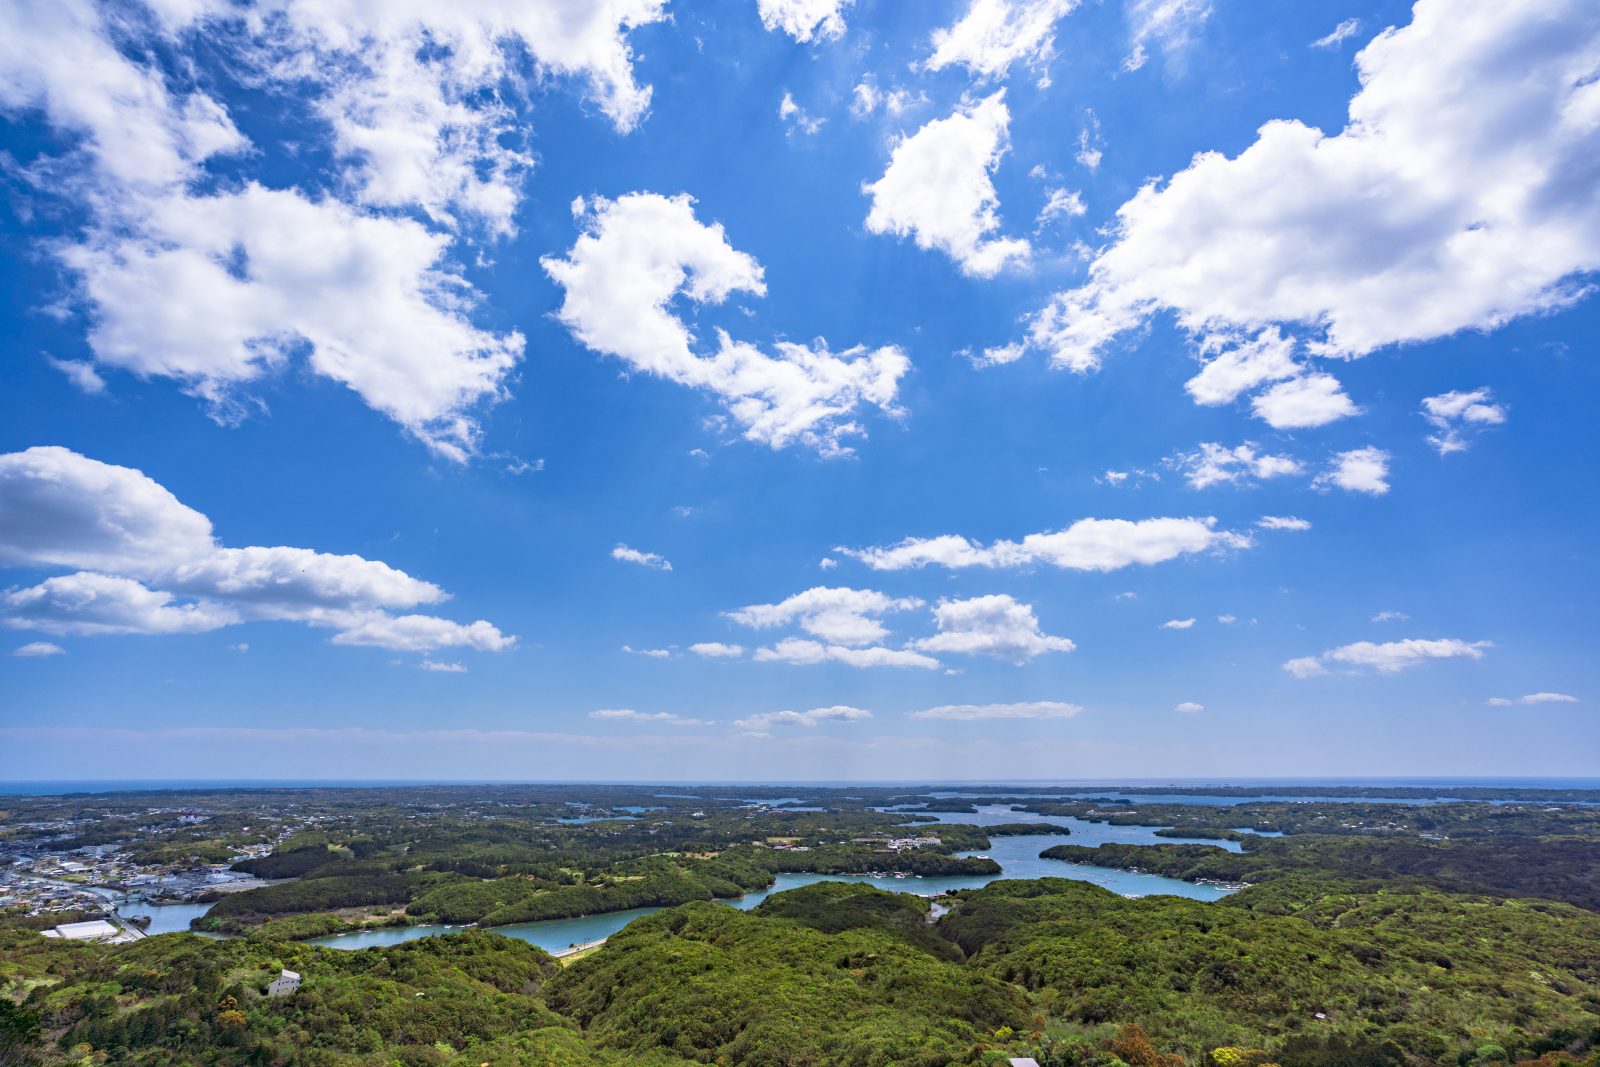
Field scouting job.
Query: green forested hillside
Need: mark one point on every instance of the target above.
(1295, 972)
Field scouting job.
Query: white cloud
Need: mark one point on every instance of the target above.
(995, 625)
(369, 299)
(644, 559)
(801, 652)
(1086, 545)
(867, 98)
(798, 117)
(805, 20)
(1531, 698)
(808, 719)
(1091, 145)
(81, 373)
(1406, 226)
(1390, 616)
(1060, 203)
(652, 653)
(994, 34)
(1456, 416)
(442, 667)
(1243, 365)
(716, 650)
(1361, 470)
(827, 563)
(666, 718)
(1387, 658)
(1227, 620)
(840, 616)
(422, 633)
(639, 254)
(1037, 709)
(1282, 522)
(146, 563)
(1189, 707)
(411, 95)
(1178, 624)
(1212, 464)
(1312, 400)
(938, 188)
(93, 604)
(1340, 33)
(1168, 24)
(241, 647)
(37, 649)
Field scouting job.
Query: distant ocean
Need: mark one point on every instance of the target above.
(50, 787)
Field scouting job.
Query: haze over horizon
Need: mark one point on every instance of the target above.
(799, 390)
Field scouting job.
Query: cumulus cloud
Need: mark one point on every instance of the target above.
(799, 651)
(1241, 366)
(1311, 400)
(805, 20)
(81, 374)
(809, 719)
(839, 616)
(938, 189)
(370, 300)
(1086, 545)
(1339, 34)
(39, 649)
(1404, 227)
(665, 718)
(1282, 522)
(1189, 707)
(993, 34)
(1213, 464)
(716, 650)
(641, 253)
(1037, 709)
(1361, 470)
(644, 559)
(867, 97)
(1301, 398)
(145, 563)
(1531, 698)
(1170, 25)
(336, 283)
(995, 625)
(1060, 203)
(1389, 657)
(1457, 416)
(1178, 624)
(798, 117)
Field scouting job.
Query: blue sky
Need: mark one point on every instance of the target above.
(1015, 388)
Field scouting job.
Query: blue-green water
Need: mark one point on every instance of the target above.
(1018, 857)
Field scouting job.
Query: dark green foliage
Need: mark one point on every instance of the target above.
(1566, 869)
(1424, 970)
(19, 1034)
(710, 982)
(834, 907)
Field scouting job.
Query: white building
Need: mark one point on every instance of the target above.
(285, 984)
(98, 930)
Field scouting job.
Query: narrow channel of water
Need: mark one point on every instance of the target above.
(1018, 857)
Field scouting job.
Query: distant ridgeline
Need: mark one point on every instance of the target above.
(1452, 933)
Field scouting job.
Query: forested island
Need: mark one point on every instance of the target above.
(1460, 932)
